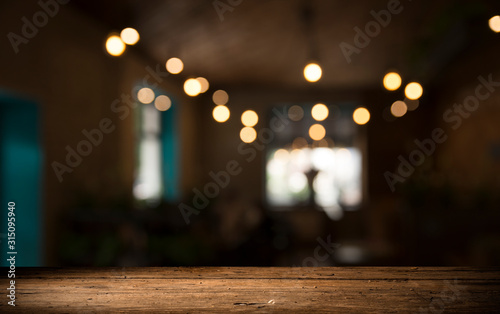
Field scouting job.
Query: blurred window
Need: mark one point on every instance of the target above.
(157, 160)
(327, 173)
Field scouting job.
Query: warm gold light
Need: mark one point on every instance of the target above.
(248, 134)
(392, 81)
(321, 143)
(174, 65)
(220, 97)
(317, 132)
(146, 95)
(312, 72)
(163, 103)
(129, 36)
(361, 116)
(115, 46)
(204, 84)
(399, 108)
(494, 23)
(295, 152)
(281, 154)
(319, 112)
(412, 104)
(413, 90)
(249, 118)
(299, 142)
(295, 113)
(221, 113)
(192, 87)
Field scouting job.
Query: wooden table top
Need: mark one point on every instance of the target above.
(255, 289)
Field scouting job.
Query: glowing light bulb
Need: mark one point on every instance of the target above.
(317, 132)
(312, 72)
(361, 116)
(220, 97)
(192, 87)
(248, 134)
(392, 81)
(204, 84)
(494, 23)
(129, 36)
(319, 112)
(174, 65)
(413, 90)
(146, 95)
(163, 103)
(249, 118)
(399, 108)
(221, 113)
(115, 46)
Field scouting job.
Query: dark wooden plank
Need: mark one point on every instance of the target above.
(363, 289)
(351, 273)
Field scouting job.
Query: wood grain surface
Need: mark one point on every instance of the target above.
(252, 289)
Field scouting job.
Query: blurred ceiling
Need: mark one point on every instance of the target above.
(267, 42)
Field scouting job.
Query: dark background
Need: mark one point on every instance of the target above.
(446, 213)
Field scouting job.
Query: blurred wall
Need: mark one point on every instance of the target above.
(65, 69)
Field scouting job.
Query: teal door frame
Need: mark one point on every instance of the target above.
(21, 159)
